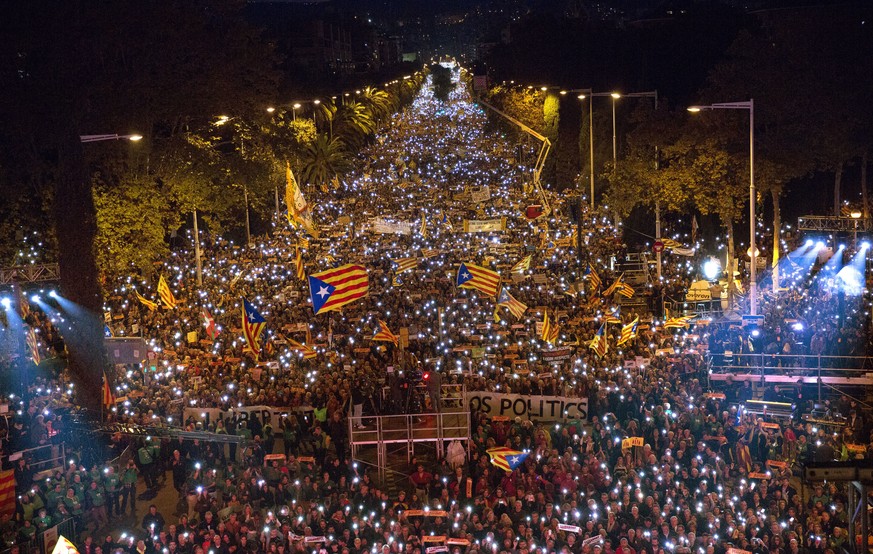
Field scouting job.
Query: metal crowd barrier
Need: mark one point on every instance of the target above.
(793, 369)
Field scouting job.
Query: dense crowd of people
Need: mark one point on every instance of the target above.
(704, 475)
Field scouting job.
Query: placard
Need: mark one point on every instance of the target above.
(631, 441)
(484, 225)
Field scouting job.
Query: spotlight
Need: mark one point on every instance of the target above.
(756, 333)
(865, 245)
(820, 244)
(53, 294)
(711, 269)
(6, 303)
(808, 243)
(841, 247)
(34, 298)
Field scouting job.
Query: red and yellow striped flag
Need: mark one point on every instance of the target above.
(166, 294)
(7, 492)
(298, 266)
(477, 277)
(334, 288)
(108, 397)
(550, 330)
(306, 351)
(523, 265)
(384, 334)
(404, 264)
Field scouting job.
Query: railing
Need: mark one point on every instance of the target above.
(408, 429)
(37, 545)
(451, 394)
(793, 369)
(40, 458)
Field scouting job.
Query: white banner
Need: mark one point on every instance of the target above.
(384, 227)
(549, 408)
(484, 225)
(266, 414)
(480, 194)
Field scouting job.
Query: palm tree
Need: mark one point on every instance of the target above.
(325, 112)
(323, 159)
(355, 123)
(379, 102)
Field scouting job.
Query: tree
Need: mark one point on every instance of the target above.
(78, 67)
(322, 160)
(716, 180)
(641, 178)
(442, 82)
(354, 123)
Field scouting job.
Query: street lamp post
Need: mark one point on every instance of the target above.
(587, 93)
(100, 138)
(750, 106)
(615, 96)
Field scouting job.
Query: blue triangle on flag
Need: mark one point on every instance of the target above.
(320, 293)
(463, 275)
(504, 296)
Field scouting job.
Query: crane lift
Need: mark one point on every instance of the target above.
(545, 147)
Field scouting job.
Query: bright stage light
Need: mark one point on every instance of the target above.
(865, 245)
(809, 243)
(34, 298)
(6, 303)
(711, 269)
(53, 294)
(820, 245)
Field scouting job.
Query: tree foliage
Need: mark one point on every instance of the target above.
(322, 160)
(442, 82)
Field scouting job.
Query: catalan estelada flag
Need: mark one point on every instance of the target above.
(334, 288)
(384, 334)
(152, 306)
(108, 397)
(613, 287)
(505, 458)
(613, 316)
(550, 330)
(306, 351)
(592, 277)
(404, 264)
(628, 332)
(509, 302)
(7, 492)
(165, 293)
(253, 325)
(298, 266)
(599, 342)
(522, 265)
(477, 277)
(679, 322)
(33, 345)
(625, 290)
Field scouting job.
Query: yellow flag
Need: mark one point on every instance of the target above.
(152, 306)
(166, 294)
(299, 212)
